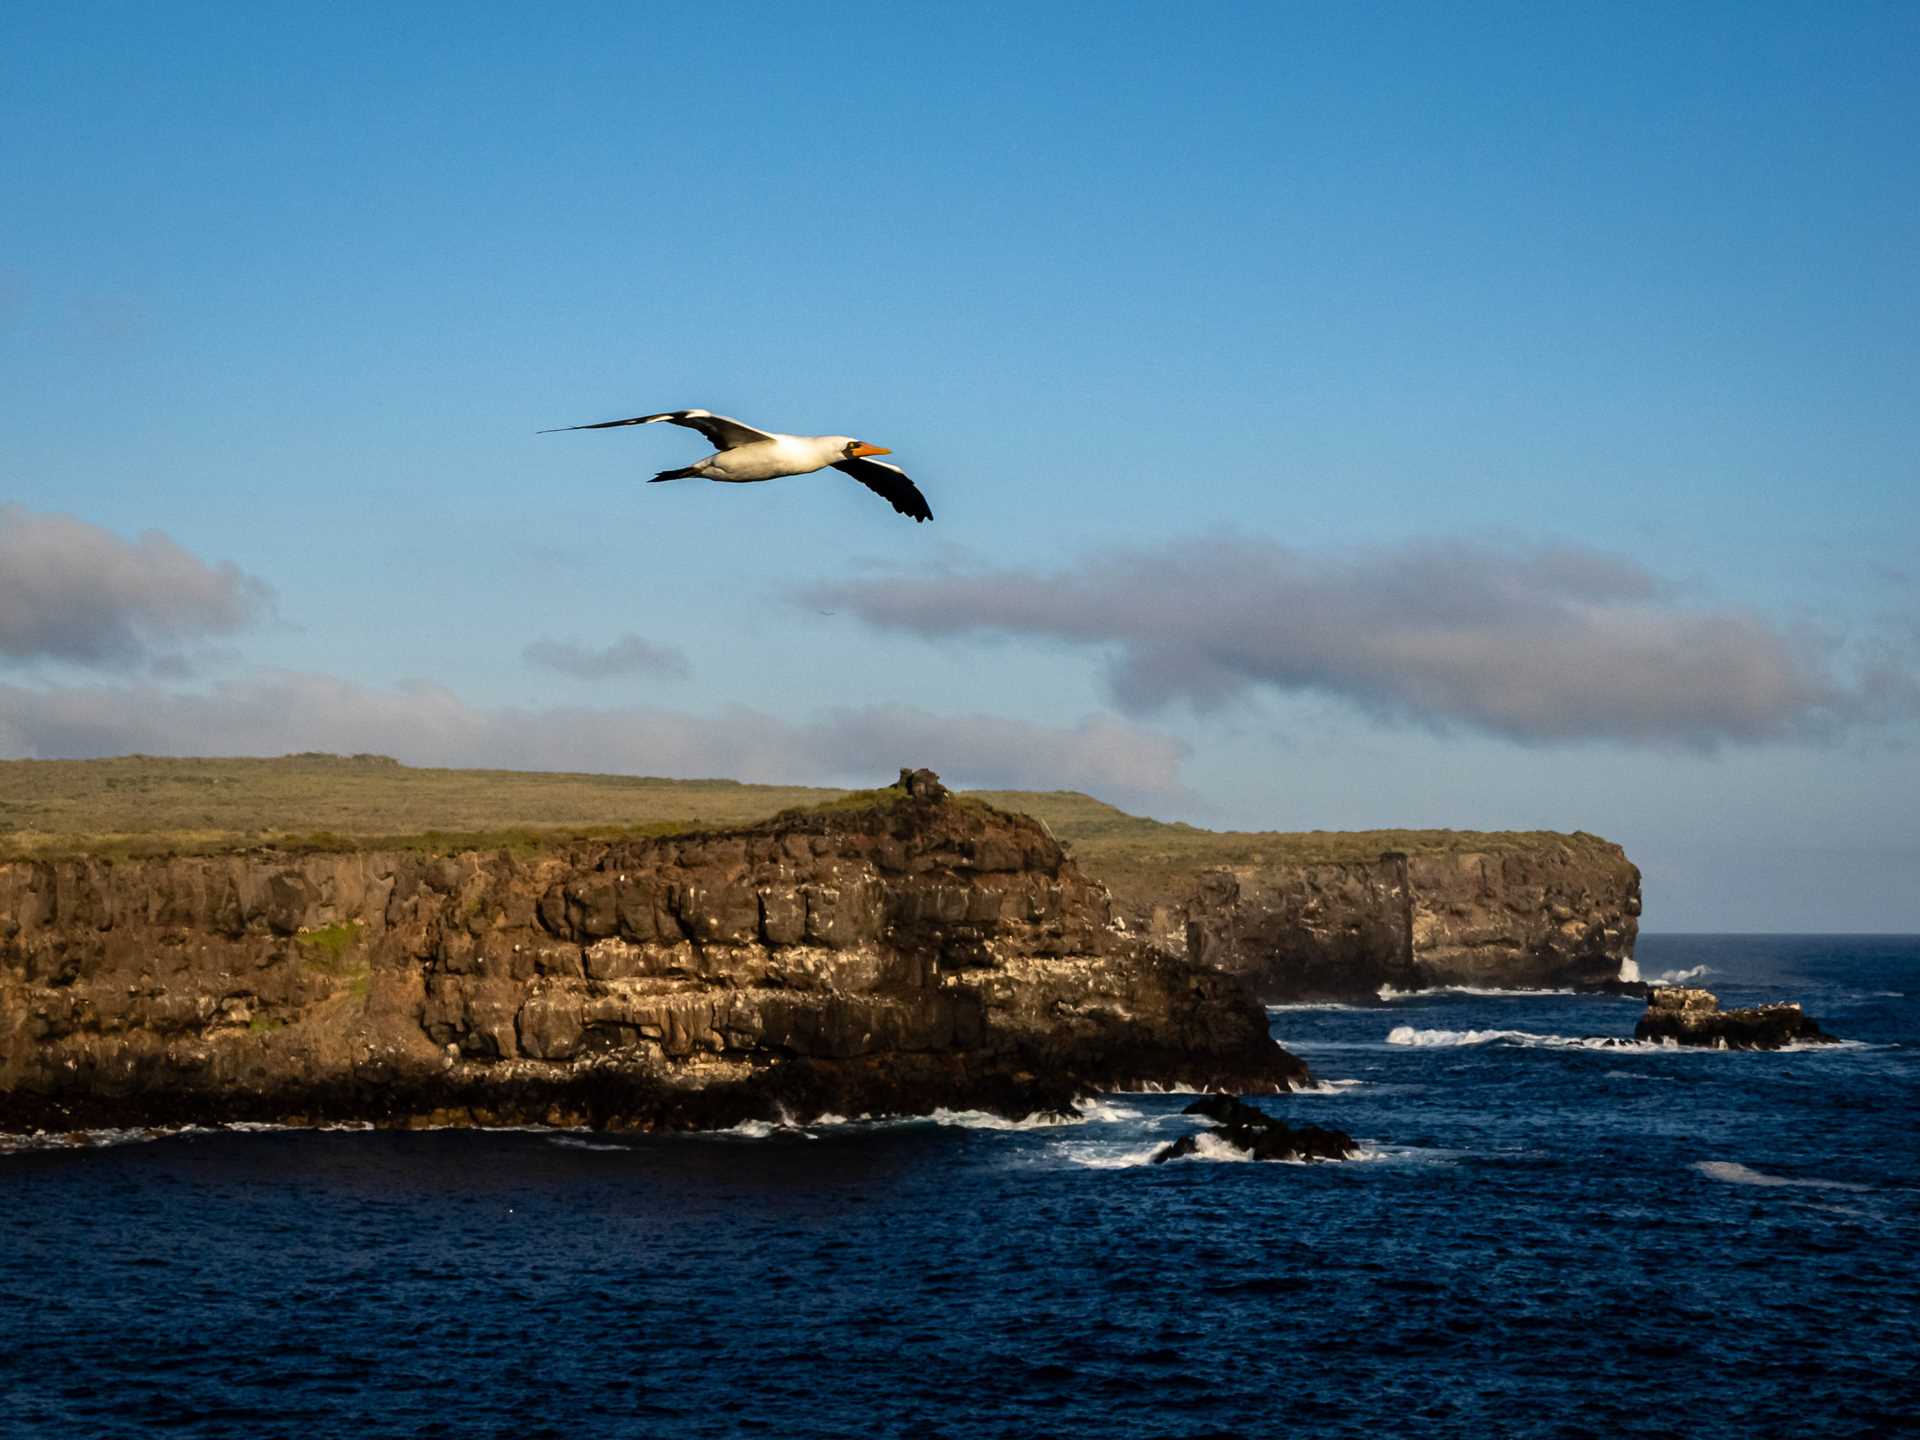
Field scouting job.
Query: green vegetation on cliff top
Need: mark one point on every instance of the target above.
(143, 805)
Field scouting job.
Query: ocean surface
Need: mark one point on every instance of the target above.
(1555, 1232)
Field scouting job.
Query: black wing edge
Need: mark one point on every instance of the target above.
(606, 424)
(890, 484)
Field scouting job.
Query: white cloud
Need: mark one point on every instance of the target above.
(628, 656)
(73, 592)
(277, 714)
(1535, 643)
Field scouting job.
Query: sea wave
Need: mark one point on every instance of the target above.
(1419, 1039)
(1408, 1035)
(1630, 974)
(1329, 1087)
(1207, 1147)
(1485, 992)
(987, 1120)
(1680, 977)
(1734, 1173)
(1293, 1006)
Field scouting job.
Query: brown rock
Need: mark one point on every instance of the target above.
(925, 951)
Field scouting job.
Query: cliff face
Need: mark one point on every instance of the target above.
(891, 957)
(1542, 916)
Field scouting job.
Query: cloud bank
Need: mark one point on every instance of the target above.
(628, 656)
(77, 593)
(426, 725)
(1536, 643)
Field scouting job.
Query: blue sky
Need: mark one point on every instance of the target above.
(1393, 302)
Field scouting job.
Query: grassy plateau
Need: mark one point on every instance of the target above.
(139, 805)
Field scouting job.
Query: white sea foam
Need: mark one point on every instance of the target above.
(1734, 1173)
(88, 1139)
(1313, 1005)
(1421, 1039)
(1106, 1112)
(1485, 992)
(1208, 1146)
(1407, 1035)
(1099, 1157)
(1149, 1088)
(1372, 1152)
(1329, 1087)
(575, 1142)
(1680, 977)
(986, 1120)
(1630, 973)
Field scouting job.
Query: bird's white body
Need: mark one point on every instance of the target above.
(747, 453)
(773, 457)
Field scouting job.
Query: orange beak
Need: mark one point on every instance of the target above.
(860, 451)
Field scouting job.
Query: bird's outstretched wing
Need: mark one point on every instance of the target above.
(723, 432)
(891, 484)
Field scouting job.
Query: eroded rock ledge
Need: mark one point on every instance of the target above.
(889, 954)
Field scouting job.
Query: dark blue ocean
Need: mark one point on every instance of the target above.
(1552, 1236)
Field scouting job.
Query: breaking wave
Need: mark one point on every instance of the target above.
(1328, 1087)
(1407, 1035)
(1087, 1112)
(1208, 1147)
(1680, 977)
(1485, 992)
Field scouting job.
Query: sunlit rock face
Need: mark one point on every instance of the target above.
(1552, 914)
(894, 953)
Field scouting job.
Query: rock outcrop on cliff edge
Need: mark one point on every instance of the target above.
(890, 953)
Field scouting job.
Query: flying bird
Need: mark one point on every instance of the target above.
(744, 454)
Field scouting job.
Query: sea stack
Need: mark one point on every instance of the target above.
(1688, 1015)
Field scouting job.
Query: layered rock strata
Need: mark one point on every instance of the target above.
(1546, 916)
(892, 955)
(1688, 1015)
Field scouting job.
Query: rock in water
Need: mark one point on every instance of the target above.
(888, 954)
(1263, 1136)
(1688, 1015)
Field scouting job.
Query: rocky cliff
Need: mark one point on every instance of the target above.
(1548, 913)
(888, 954)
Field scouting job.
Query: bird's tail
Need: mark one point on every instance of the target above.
(691, 473)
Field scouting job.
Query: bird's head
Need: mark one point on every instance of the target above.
(859, 449)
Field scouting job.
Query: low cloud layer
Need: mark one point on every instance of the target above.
(626, 657)
(1535, 643)
(74, 592)
(426, 725)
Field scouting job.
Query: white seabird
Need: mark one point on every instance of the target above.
(746, 454)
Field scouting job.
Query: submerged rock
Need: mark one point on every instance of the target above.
(1688, 1015)
(1263, 1136)
(892, 953)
